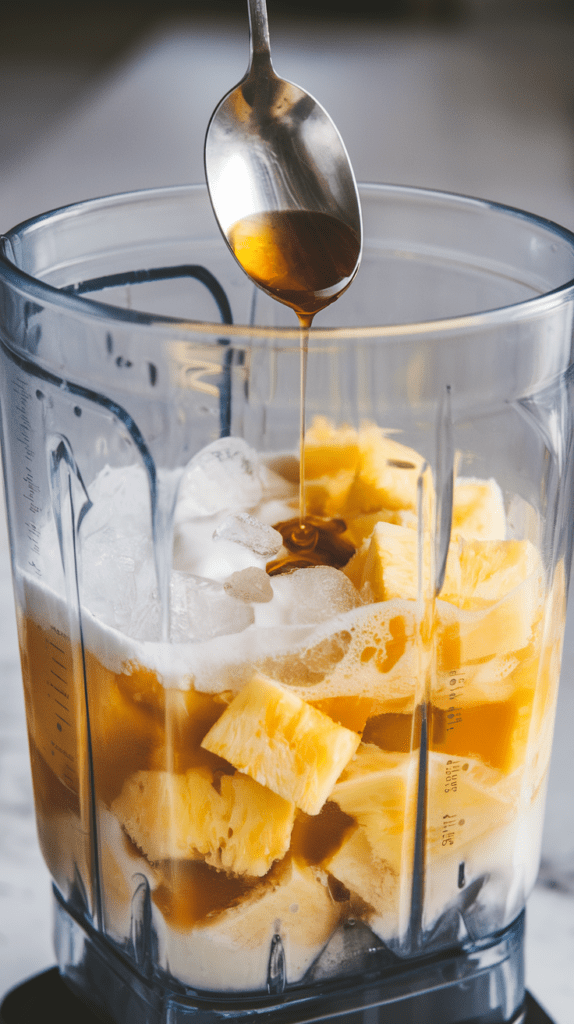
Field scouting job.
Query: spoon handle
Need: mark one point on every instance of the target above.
(259, 31)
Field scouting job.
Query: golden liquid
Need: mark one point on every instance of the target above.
(301, 258)
(311, 542)
(138, 725)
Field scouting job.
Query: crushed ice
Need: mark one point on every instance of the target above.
(245, 529)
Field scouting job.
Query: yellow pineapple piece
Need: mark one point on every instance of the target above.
(269, 733)
(330, 459)
(292, 902)
(378, 790)
(155, 809)
(466, 799)
(478, 510)
(499, 594)
(255, 829)
(326, 495)
(360, 528)
(242, 828)
(387, 474)
(491, 569)
(357, 867)
(391, 563)
(355, 567)
(466, 803)
(329, 449)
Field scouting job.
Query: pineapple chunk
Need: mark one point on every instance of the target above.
(329, 449)
(327, 495)
(466, 799)
(378, 790)
(467, 804)
(502, 629)
(241, 829)
(391, 565)
(234, 945)
(387, 474)
(154, 808)
(355, 567)
(330, 457)
(478, 510)
(491, 569)
(358, 868)
(257, 827)
(360, 528)
(478, 573)
(269, 733)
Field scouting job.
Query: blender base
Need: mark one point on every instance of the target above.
(27, 1003)
(480, 985)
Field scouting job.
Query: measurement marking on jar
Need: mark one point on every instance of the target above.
(58, 690)
(31, 492)
(456, 684)
(64, 753)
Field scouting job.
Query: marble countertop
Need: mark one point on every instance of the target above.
(479, 111)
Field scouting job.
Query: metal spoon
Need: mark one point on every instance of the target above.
(275, 163)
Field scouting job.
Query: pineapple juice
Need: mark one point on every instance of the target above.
(263, 784)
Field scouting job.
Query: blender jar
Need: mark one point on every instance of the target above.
(270, 783)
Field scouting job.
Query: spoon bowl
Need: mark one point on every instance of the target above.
(281, 184)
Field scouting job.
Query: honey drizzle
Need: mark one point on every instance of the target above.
(305, 260)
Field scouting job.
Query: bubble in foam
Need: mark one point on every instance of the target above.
(243, 528)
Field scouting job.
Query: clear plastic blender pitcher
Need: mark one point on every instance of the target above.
(276, 783)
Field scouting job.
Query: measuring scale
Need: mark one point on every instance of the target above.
(150, 421)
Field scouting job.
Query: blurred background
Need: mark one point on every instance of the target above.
(474, 96)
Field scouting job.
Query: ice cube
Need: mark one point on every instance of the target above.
(242, 528)
(108, 586)
(201, 609)
(197, 552)
(120, 499)
(116, 547)
(120, 588)
(251, 584)
(224, 475)
(316, 594)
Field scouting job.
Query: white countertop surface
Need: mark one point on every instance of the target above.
(487, 112)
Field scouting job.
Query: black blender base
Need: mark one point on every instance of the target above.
(46, 993)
